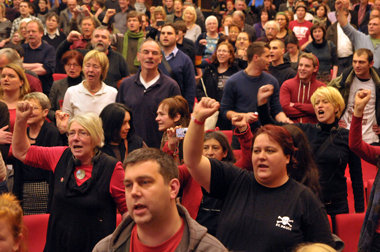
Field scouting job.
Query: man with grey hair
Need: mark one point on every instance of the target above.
(144, 91)
(238, 18)
(271, 29)
(9, 55)
(100, 40)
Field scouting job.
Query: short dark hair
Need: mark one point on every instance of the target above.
(171, 25)
(51, 14)
(318, 26)
(72, 54)
(113, 117)
(180, 25)
(256, 48)
(89, 18)
(167, 168)
(101, 3)
(291, 39)
(178, 105)
(134, 14)
(366, 51)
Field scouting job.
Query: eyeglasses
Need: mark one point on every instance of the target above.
(222, 51)
(81, 133)
(280, 19)
(72, 65)
(244, 39)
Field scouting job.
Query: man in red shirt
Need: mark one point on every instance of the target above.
(301, 27)
(155, 221)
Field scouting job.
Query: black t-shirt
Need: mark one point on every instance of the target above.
(222, 78)
(257, 218)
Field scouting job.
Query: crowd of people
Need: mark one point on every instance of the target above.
(111, 107)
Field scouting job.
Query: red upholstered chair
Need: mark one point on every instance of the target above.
(36, 228)
(348, 228)
(369, 188)
(330, 222)
(237, 154)
(59, 76)
(228, 134)
(369, 170)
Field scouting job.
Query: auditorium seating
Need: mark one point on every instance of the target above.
(228, 134)
(348, 228)
(36, 229)
(59, 76)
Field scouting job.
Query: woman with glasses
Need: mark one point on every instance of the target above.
(92, 94)
(88, 184)
(72, 61)
(33, 186)
(216, 74)
(283, 20)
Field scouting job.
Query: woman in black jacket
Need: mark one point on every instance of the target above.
(215, 76)
(119, 134)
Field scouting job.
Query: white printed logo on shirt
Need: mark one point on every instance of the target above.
(284, 222)
(300, 32)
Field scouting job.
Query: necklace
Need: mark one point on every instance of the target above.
(31, 138)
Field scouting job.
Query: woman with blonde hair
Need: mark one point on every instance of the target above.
(13, 86)
(88, 184)
(5, 26)
(11, 224)
(326, 137)
(193, 30)
(158, 17)
(92, 94)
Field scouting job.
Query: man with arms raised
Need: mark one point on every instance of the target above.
(361, 40)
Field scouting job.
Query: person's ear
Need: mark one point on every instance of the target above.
(177, 117)
(45, 112)
(174, 186)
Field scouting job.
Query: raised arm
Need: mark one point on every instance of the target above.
(20, 142)
(245, 136)
(199, 166)
(368, 152)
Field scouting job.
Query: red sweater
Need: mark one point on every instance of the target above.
(292, 91)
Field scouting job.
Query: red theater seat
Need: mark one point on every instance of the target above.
(36, 226)
(59, 76)
(348, 228)
(228, 134)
